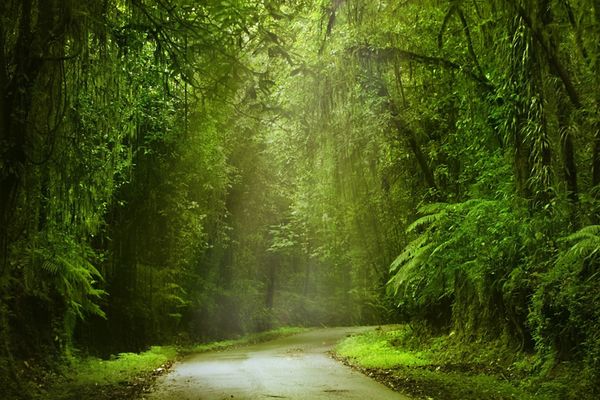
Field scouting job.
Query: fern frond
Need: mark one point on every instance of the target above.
(95, 309)
(587, 244)
(433, 208)
(589, 231)
(475, 207)
(453, 239)
(407, 272)
(50, 266)
(582, 249)
(425, 220)
(408, 252)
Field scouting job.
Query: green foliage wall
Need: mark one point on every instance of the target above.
(495, 103)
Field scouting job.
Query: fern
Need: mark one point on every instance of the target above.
(588, 232)
(462, 247)
(432, 213)
(56, 262)
(446, 244)
(587, 244)
(427, 220)
(408, 253)
(407, 273)
(433, 208)
(564, 303)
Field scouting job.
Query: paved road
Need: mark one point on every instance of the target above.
(295, 367)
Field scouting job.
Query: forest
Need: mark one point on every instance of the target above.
(185, 171)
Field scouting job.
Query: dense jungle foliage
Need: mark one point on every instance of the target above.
(176, 170)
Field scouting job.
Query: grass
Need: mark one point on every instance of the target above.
(123, 376)
(446, 367)
(122, 368)
(375, 350)
(430, 367)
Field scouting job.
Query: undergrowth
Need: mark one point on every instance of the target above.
(450, 368)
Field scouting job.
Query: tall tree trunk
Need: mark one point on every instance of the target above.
(406, 132)
(569, 166)
(564, 109)
(16, 91)
(271, 280)
(521, 161)
(16, 106)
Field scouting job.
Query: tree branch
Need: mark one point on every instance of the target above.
(467, 31)
(391, 53)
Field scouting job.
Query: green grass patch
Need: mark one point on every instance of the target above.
(430, 367)
(123, 367)
(375, 350)
(122, 376)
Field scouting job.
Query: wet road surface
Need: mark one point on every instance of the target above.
(296, 367)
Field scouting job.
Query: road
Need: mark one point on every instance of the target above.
(296, 367)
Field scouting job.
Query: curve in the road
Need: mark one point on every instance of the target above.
(296, 367)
